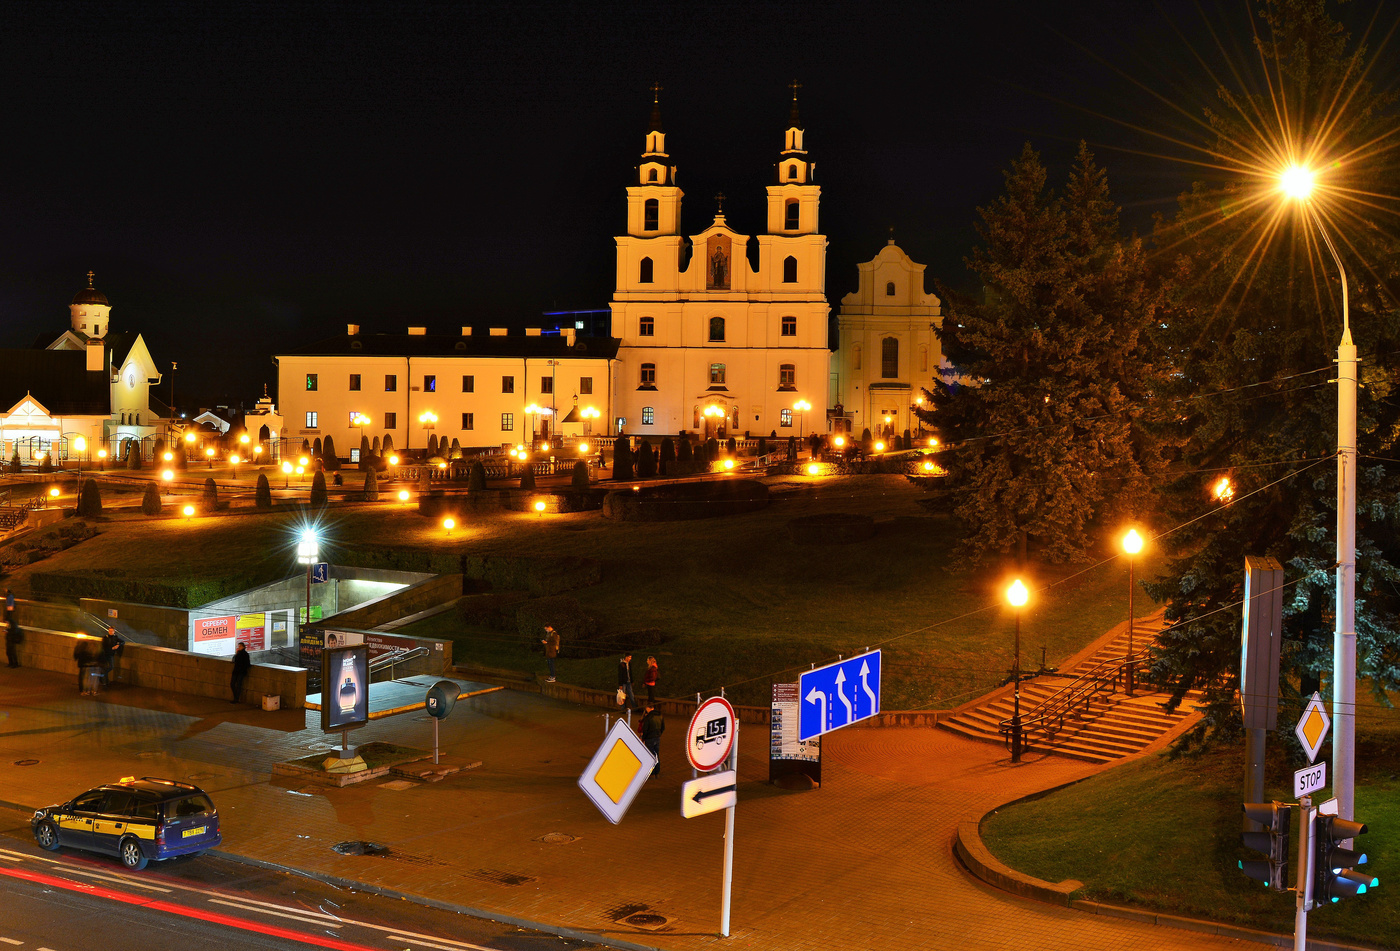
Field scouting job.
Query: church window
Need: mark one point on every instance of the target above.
(469, 421)
(787, 376)
(507, 422)
(792, 171)
(648, 416)
(789, 326)
(468, 384)
(794, 215)
(546, 384)
(923, 359)
(311, 379)
(716, 374)
(507, 384)
(855, 358)
(889, 289)
(649, 375)
(651, 215)
(789, 270)
(391, 382)
(644, 271)
(585, 385)
(716, 329)
(391, 420)
(430, 384)
(651, 175)
(354, 382)
(889, 358)
(785, 418)
(310, 420)
(647, 327)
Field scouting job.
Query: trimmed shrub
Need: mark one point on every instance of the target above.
(209, 502)
(318, 490)
(150, 501)
(262, 495)
(306, 447)
(711, 449)
(371, 487)
(580, 478)
(684, 453)
(622, 459)
(646, 462)
(365, 448)
(181, 460)
(476, 480)
(763, 445)
(15, 464)
(388, 444)
(792, 448)
(865, 435)
(732, 446)
(329, 459)
(527, 477)
(908, 440)
(432, 444)
(47, 464)
(455, 450)
(668, 456)
(90, 499)
(134, 457)
(159, 449)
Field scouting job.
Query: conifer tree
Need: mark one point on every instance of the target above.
(15, 465)
(580, 476)
(476, 480)
(667, 457)
(319, 496)
(150, 500)
(90, 499)
(684, 453)
(527, 476)
(622, 458)
(209, 502)
(134, 455)
(262, 495)
(388, 444)
(371, 486)
(646, 462)
(330, 461)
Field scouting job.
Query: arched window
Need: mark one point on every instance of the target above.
(649, 375)
(651, 175)
(792, 171)
(646, 327)
(716, 329)
(651, 215)
(789, 326)
(889, 289)
(789, 270)
(644, 271)
(794, 215)
(889, 358)
(787, 376)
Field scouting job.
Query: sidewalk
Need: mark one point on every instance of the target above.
(863, 862)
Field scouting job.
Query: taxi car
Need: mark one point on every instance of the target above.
(136, 820)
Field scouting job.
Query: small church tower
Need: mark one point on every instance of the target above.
(89, 311)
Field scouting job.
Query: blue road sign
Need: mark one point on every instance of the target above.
(838, 695)
(320, 573)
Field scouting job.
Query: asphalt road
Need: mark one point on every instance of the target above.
(76, 901)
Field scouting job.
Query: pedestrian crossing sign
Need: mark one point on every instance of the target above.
(1312, 726)
(617, 771)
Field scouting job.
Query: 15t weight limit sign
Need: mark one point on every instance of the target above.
(838, 695)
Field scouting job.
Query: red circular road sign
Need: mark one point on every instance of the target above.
(712, 733)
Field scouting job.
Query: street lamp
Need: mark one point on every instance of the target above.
(80, 446)
(801, 406)
(403, 495)
(101, 460)
(1017, 595)
(448, 524)
(1223, 491)
(429, 420)
(286, 475)
(233, 460)
(1132, 544)
(1297, 183)
(361, 420)
(308, 554)
(209, 457)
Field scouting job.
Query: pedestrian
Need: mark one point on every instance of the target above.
(13, 637)
(653, 725)
(84, 656)
(653, 672)
(111, 647)
(241, 663)
(9, 605)
(551, 649)
(624, 683)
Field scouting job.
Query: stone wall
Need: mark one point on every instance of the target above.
(402, 603)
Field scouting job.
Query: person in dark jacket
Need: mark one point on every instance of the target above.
(13, 637)
(86, 655)
(624, 681)
(653, 725)
(111, 647)
(241, 663)
(551, 648)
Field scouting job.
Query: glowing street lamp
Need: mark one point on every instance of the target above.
(234, 460)
(839, 441)
(801, 407)
(1132, 544)
(539, 506)
(101, 459)
(1017, 595)
(403, 495)
(286, 475)
(583, 449)
(188, 511)
(879, 447)
(813, 469)
(189, 437)
(308, 554)
(168, 456)
(449, 524)
(393, 460)
(361, 420)
(209, 457)
(1223, 490)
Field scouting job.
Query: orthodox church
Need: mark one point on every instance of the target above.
(87, 382)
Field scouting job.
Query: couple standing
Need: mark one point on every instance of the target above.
(625, 697)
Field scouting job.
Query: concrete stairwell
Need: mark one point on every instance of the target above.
(1106, 726)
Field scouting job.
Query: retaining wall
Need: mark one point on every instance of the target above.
(391, 607)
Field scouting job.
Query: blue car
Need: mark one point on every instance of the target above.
(136, 820)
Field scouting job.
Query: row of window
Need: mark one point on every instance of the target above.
(792, 211)
(646, 271)
(391, 421)
(646, 327)
(391, 383)
(787, 375)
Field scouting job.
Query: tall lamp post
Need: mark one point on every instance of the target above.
(1017, 595)
(801, 406)
(429, 420)
(1297, 183)
(308, 553)
(1132, 544)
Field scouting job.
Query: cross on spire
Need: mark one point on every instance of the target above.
(794, 86)
(719, 203)
(655, 124)
(656, 92)
(90, 277)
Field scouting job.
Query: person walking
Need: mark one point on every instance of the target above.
(624, 682)
(241, 663)
(653, 672)
(551, 649)
(85, 656)
(13, 637)
(653, 725)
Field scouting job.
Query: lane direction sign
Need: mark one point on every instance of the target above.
(617, 771)
(1309, 779)
(838, 695)
(710, 793)
(1312, 727)
(711, 736)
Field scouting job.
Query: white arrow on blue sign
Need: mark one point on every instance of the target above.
(838, 695)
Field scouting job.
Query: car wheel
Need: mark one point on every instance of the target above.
(132, 856)
(47, 836)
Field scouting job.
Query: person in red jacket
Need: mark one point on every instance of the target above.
(653, 672)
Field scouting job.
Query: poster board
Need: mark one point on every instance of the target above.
(787, 755)
(345, 697)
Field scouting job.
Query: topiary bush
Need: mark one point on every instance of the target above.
(90, 499)
(684, 453)
(318, 490)
(622, 459)
(371, 487)
(329, 460)
(646, 462)
(209, 502)
(476, 480)
(262, 495)
(667, 457)
(527, 477)
(580, 478)
(150, 500)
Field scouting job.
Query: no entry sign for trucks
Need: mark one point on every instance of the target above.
(711, 735)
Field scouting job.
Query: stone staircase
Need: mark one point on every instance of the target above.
(1107, 725)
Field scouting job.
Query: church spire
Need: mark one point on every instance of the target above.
(655, 124)
(794, 121)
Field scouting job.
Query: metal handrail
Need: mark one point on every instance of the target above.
(393, 659)
(1103, 677)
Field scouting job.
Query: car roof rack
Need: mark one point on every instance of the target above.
(169, 782)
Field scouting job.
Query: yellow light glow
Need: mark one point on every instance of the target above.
(1132, 542)
(879, 447)
(169, 457)
(167, 475)
(243, 439)
(80, 444)
(403, 495)
(53, 492)
(729, 463)
(932, 441)
(1223, 490)
(919, 400)
(234, 460)
(583, 447)
(428, 417)
(257, 450)
(442, 465)
(513, 453)
(209, 452)
(1017, 594)
(539, 506)
(1297, 182)
(520, 448)
(449, 524)
(303, 461)
(189, 437)
(393, 460)
(102, 454)
(301, 470)
(188, 510)
(839, 441)
(928, 467)
(545, 447)
(589, 412)
(524, 455)
(889, 419)
(813, 469)
(40, 456)
(712, 410)
(287, 467)
(802, 406)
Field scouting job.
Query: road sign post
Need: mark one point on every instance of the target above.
(712, 742)
(838, 695)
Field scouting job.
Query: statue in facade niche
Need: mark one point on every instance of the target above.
(719, 268)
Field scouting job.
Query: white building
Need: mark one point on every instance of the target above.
(87, 381)
(485, 390)
(888, 351)
(708, 341)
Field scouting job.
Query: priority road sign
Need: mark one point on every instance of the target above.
(710, 793)
(838, 695)
(1312, 727)
(711, 735)
(617, 771)
(320, 572)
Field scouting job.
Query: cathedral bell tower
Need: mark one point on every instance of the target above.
(90, 311)
(792, 202)
(654, 203)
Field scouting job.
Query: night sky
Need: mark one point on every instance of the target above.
(248, 177)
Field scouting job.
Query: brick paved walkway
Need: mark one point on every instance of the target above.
(863, 862)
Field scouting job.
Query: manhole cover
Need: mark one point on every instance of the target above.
(397, 784)
(26, 762)
(646, 920)
(497, 877)
(360, 848)
(557, 838)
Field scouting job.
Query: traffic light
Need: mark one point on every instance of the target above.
(1273, 842)
(1333, 876)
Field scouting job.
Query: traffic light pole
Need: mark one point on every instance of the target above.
(1305, 873)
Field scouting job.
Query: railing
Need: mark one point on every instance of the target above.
(393, 659)
(1048, 718)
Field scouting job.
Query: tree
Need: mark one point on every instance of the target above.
(580, 477)
(622, 458)
(150, 500)
(432, 444)
(330, 461)
(684, 453)
(371, 486)
(646, 462)
(476, 480)
(732, 446)
(90, 499)
(15, 465)
(318, 490)
(181, 460)
(1262, 348)
(366, 448)
(667, 459)
(46, 464)
(316, 447)
(388, 445)
(711, 450)
(1047, 441)
(527, 476)
(455, 452)
(159, 448)
(262, 495)
(209, 502)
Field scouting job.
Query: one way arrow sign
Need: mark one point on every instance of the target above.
(712, 792)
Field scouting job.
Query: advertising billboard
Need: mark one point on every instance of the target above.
(345, 683)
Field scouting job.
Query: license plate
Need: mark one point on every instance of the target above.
(192, 832)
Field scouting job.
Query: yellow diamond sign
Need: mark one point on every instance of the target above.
(1312, 726)
(617, 771)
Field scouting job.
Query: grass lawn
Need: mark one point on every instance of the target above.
(740, 604)
(1165, 835)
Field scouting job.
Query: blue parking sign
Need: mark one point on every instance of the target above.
(838, 695)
